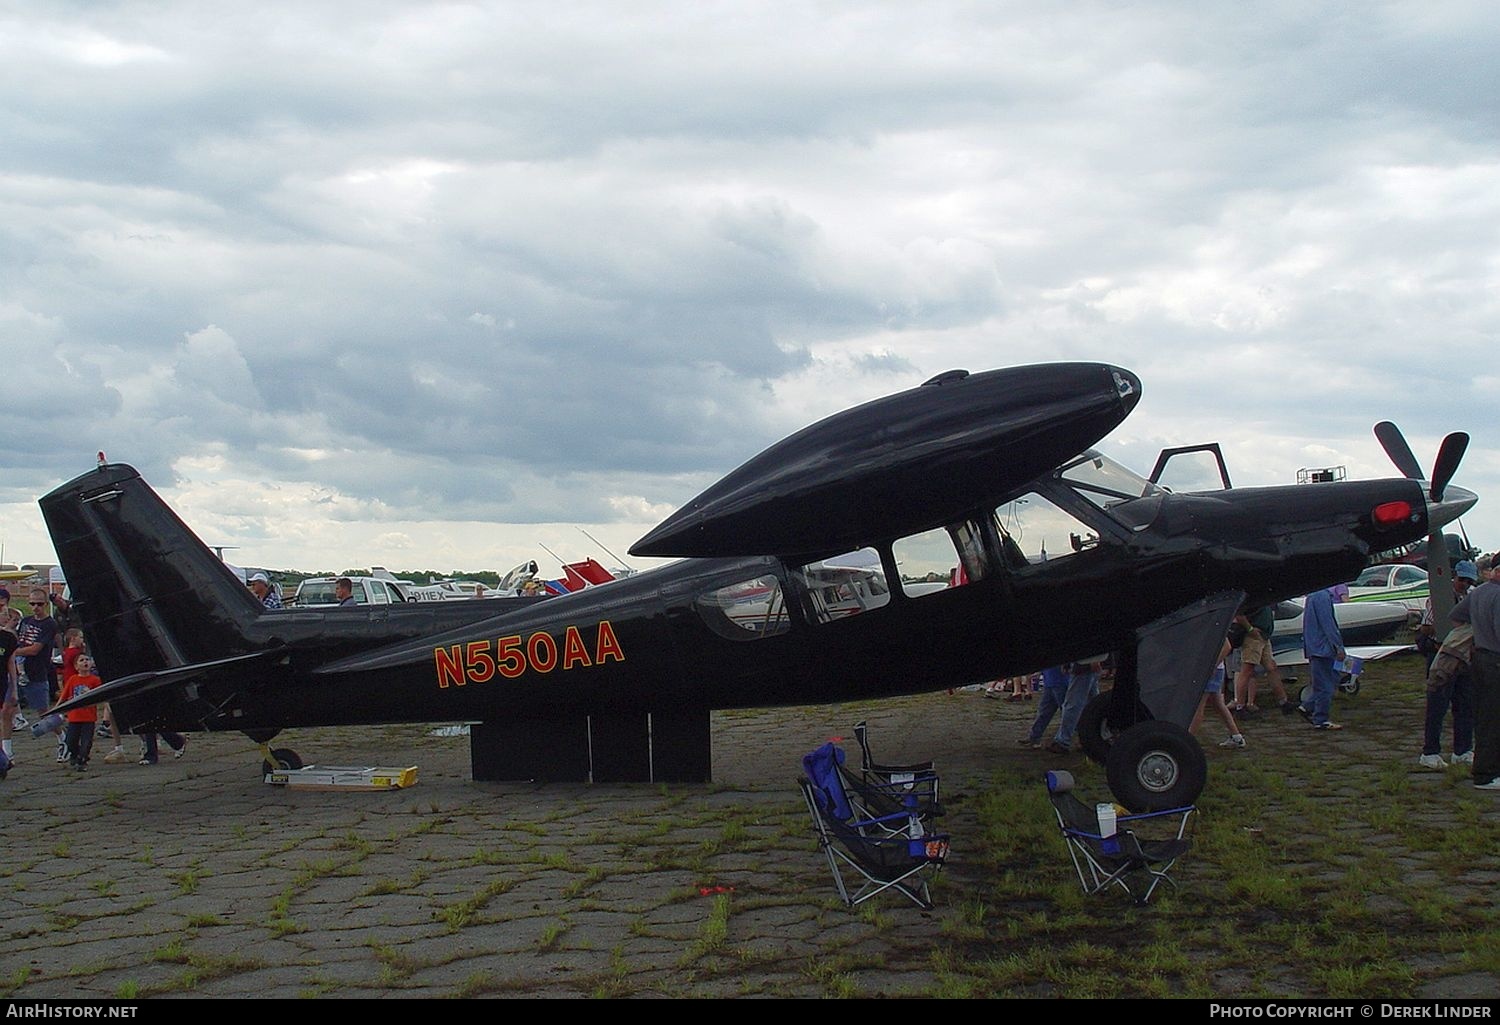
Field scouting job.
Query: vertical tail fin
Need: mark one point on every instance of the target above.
(150, 595)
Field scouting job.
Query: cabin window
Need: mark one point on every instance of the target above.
(938, 559)
(746, 611)
(844, 585)
(1034, 529)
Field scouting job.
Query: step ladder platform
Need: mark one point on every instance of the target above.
(344, 777)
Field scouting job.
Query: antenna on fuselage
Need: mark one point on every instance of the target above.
(611, 554)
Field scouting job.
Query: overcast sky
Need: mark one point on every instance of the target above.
(429, 285)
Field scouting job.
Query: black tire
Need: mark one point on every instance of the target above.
(285, 757)
(1156, 765)
(1348, 684)
(1094, 731)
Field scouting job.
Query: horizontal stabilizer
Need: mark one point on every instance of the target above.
(141, 683)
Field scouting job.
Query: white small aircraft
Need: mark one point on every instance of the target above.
(1361, 624)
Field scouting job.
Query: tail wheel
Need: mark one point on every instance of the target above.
(1156, 765)
(285, 758)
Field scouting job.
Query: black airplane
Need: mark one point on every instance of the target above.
(801, 583)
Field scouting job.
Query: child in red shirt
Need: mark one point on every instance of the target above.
(79, 733)
(73, 646)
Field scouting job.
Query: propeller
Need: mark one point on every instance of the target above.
(1450, 452)
(1389, 436)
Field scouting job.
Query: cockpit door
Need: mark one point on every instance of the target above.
(1167, 454)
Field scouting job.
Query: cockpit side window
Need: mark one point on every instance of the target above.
(844, 585)
(940, 558)
(1034, 529)
(746, 611)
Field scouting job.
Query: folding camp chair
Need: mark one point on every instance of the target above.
(1117, 856)
(918, 778)
(889, 852)
(910, 795)
(869, 768)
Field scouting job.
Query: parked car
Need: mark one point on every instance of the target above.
(317, 592)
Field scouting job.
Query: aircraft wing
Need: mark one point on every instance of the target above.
(1365, 653)
(901, 464)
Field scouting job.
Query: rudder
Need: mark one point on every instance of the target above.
(150, 595)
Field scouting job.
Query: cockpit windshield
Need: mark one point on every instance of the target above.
(1105, 482)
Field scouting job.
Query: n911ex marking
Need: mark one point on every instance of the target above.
(481, 661)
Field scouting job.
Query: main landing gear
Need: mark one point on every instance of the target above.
(1154, 766)
(1151, 765)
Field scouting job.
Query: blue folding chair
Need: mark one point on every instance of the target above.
(1121, 857)
(893, 851)
(875, 795)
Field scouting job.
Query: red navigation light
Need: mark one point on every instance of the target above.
(1388, 514)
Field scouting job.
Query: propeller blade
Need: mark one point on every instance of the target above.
(1449, 454)
(1389, 436)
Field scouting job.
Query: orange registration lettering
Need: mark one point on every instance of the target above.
(574, 653)
(479, 661)
(608, 646)
(512, 660)
(449, 666)
(542, 650)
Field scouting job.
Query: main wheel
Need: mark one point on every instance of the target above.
(285, 757)
(1156, 765)
(1094, 730)
(1349, 684)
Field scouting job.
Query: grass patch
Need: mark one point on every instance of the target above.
(188, 880)
(14, 981)
(463, 913)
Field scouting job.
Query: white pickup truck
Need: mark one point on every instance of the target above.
(317, 592)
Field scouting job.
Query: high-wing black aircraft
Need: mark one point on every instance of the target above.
(802, 583)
